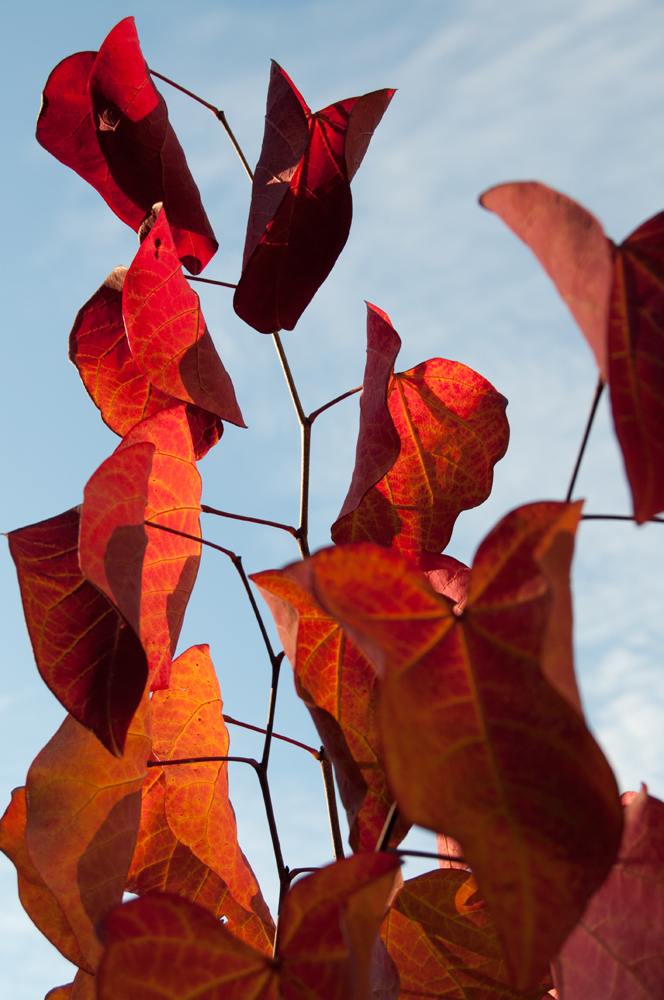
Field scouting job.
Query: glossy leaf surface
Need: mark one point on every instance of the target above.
(616, 951)
(307, 216)
(328, 927)
(188, 722)
(88, 656)
(103, 117)
(99, 349)
(452, 427)
(340, 688)
(38, 901)
(444, 941)
(83, 810)
(148, 574)
(476, 742)
(571, 246)
(167, 333)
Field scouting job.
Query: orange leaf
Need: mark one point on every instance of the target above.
(148, 574)
(99, 349)
(187, 721)
(89, 657)
(38, 901)
(83, 809)
(571, 246)
(445, 943)
(166, 946)
(475, 740)
(453, 430)
(83, 988)
(167, 334)
(339, 687)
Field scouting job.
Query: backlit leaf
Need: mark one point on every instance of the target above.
(148, 574)
(83, 988)
(339, 687)
(164, 946)
(102, 116)
(99, 348)
(616, 952)
(476, 742)
(301, 196)
(87, 654)
(167, 334)
(38, 901)
(83, 810)
(445, 943)
(452, 427)
(188, 722)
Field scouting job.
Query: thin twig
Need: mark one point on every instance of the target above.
(216, 112)
(203, 760)
(276, 667)
(619, 517)
(333, 402)
(388, 827)
(209, 281)
(305, 425)
(275, 736)
(253, 520)
(586, 435)
(424, 854)
(300, 871)
(332, 811)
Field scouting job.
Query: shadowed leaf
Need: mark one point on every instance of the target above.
(83, 809)
(301, 197)
(188, 722)
(147, 573)
(88, 656)
(102, 116)
(445, 943)
(167, 334)
(162, 945)
(475, 740)
(616, 950)
(99, 348)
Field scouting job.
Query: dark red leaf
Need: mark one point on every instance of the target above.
(99, 348)
(167, 334)
(306, 224)
(102, 116)
(87, 654)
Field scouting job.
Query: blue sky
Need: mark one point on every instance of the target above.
(569, 92)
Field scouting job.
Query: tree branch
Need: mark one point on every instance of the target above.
(332, 811)
(388, 827)
(253, 520)
(305, 425)
(275, 736)
(333, 402)
(586, 435)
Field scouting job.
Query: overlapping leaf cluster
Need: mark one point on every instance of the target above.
(445, 690)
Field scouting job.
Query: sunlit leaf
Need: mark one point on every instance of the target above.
(148, 574)
(87, 654)
(99, 348)
(301, 196)
(83, 810)
(83, 988)
(477, 744)
(102, 116)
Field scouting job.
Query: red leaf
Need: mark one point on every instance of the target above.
(452, 427)
(571, 246)
(38, 901)
(188, 722)
(306, 217)
(636, 363)
(151, 475)
(475, 741)
(83, 808)
(99, 348)
(445, 943)
(88, 656)
(616, 951)
(83, 988)
(102, 116)
(339, 687)
(328, 926)
(167, 334)
(451, 847)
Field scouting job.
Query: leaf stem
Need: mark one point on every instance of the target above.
(209, 281)
(305, 424)
(424, 854)
(203, 760)
(332, 811)
(253, 520)
(586, 435)
(215, 111)
(275, 736)
(276, 667)
(333, 402)
(619, 517)
(388, 827)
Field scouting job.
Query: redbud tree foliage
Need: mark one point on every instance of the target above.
(444, 695)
